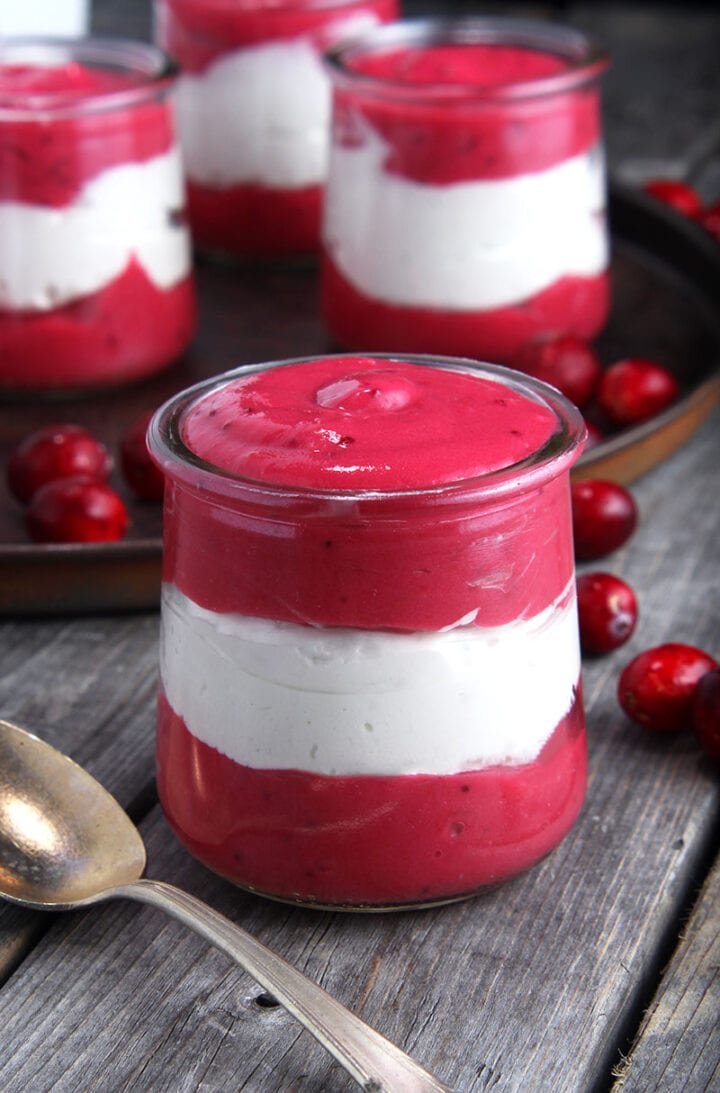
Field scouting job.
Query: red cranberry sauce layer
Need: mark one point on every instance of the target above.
(115, 335)
(573, 305)
(437, 138)
(368, 840)
(48, 158)
(257, 219)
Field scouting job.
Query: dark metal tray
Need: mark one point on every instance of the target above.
(666, 306)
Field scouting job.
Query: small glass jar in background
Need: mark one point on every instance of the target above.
(49, 18)
(96, 283)
(253, 113)
(369, 665)
(465, 208)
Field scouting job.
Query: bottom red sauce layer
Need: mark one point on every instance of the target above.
(255, 220)
(573, 305)
(368, 840)
(125, 331)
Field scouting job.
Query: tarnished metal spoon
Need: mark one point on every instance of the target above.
(66, 843)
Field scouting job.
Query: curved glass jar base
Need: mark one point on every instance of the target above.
(376, 908)
(367, 908)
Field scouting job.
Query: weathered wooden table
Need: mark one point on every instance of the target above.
(596, 970)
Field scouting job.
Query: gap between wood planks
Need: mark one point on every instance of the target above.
(628, 1033)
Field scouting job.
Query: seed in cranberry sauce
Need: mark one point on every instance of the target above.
(607, 610)
(656, 689)
(604, 516)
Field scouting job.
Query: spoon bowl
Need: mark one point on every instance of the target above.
(65, 842)
(63, 839)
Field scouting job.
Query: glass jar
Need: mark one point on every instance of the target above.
(465, 209)
(96, 283)
(369, 692)
(253, 111)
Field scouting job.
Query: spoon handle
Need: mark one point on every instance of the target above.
(374, 1062)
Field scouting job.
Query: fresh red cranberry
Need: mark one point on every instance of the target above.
(706, 713)
(607, 609)
(681, 196)
(635, 389)
(76, 510)
(142, 475)
(58, 451)
(568, 363)
(710, 220)
(657, 687)
(604, 516)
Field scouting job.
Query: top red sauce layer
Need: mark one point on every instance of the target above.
(436, 138)
(65, 82)
(364, 423)
(473, 65)
(46, 158)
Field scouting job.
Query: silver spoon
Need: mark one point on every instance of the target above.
(66, 843)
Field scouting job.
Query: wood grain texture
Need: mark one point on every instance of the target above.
(679, 1041)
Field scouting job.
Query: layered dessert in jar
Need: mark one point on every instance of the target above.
(253, 111)
(370, 676)
(96, 283)
(465, 208)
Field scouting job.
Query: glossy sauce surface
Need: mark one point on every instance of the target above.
(364, 423)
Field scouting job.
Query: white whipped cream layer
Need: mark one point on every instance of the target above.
(52, 256)
(275, 695)
(261, 114)
(469, 246)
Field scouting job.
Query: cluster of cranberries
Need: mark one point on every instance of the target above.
(685, 199)
(627, 392)
(664, 688)
(60, 475)
(671, 685)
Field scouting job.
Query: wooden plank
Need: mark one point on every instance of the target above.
(88, 687)
(679, 1041)
(529, 986)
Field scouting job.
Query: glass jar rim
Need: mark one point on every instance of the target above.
(178, 462)
(587, 60)
(154, 68)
